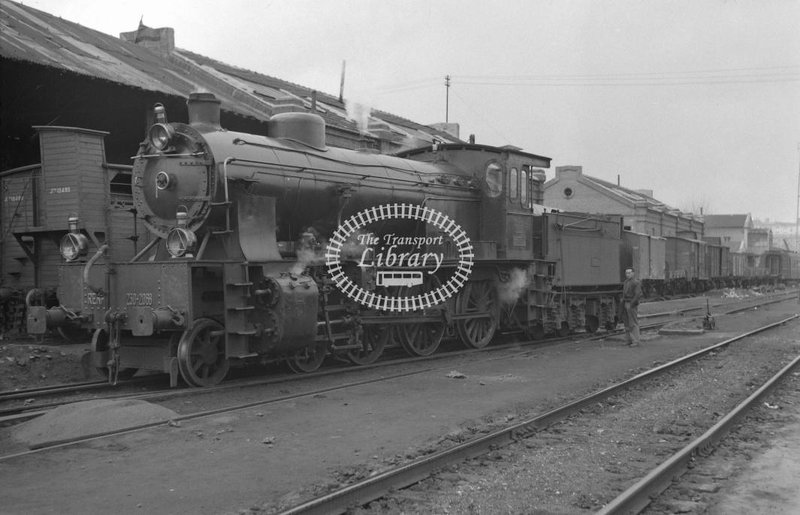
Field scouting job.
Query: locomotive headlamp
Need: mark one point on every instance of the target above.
(73, 245)
(160, 135)
(160, 113)
(181, 242)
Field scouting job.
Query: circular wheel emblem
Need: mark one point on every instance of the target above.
(408, 277)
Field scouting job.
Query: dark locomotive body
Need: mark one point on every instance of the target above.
(236, 266)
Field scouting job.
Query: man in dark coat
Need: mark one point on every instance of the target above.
(631, 294)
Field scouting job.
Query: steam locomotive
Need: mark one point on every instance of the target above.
(279, 248)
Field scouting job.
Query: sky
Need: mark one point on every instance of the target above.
(697, 100)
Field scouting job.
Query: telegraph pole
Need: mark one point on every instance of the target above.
(341, 82)
(447, 99)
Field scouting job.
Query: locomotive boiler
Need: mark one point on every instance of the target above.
(244, 227)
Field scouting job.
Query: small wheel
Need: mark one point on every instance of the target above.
(373, 341)
(201, 353)
(592, 324)
(100, 344)
(308, 359)
(479, 299)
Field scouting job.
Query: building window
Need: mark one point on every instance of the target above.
(523, 188)
(568, 192)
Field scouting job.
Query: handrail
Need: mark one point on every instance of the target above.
(89, 264)
(25, 168)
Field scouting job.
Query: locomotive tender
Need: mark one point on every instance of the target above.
(235, 269)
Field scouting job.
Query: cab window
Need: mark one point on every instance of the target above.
(513, 182)
(494, 179)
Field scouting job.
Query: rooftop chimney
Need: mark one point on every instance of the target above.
(161, 41)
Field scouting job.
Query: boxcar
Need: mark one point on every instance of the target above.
(645, 254)
(781, 264)
(685, 264)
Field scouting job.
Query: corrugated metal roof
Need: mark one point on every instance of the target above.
(27, 34)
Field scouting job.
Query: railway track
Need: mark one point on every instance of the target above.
(639, 495)
(54, 396)
(745, 304)
(400, 477)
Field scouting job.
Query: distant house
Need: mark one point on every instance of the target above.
(733, 230)
(572, 190)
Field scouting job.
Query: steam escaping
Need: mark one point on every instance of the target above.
(310, 250)
(509, 291)
(359, 113)
(305, 257)
(409, 142)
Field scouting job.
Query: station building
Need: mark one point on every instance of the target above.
(572, 190)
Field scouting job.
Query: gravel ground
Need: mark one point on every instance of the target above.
(585, 461)
(25, 364)
(755, 469)
(262, 458)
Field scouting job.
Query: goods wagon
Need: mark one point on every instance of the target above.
(73, 184)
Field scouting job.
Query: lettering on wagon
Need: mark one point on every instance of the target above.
(60, 189)
(139, 299)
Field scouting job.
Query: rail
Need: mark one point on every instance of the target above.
(372, 488)
(638, 496)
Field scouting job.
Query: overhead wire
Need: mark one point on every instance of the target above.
(687, 77)
(480, 116)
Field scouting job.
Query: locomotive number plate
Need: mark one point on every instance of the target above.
(93, 299)
(139, 299)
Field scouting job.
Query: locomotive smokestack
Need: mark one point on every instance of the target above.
(204, 110)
